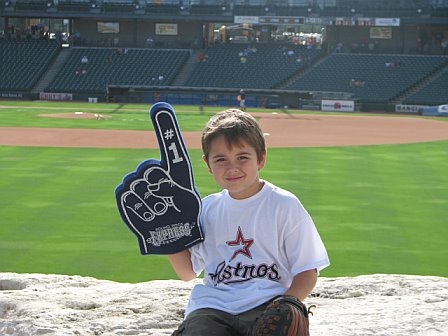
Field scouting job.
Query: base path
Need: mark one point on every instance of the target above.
(281, 130)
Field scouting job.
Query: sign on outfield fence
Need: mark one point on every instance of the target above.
(338, 105)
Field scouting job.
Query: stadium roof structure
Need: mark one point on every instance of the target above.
(418, 11)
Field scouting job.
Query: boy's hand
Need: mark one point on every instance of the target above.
(159, 201)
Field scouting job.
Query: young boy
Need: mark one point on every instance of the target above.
(260, 242)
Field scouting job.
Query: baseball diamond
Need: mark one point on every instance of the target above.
(281, 130)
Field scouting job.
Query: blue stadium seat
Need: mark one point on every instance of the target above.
(384, 76)
(264, 68)
(433, 93)
(117, 66)
(24, 62)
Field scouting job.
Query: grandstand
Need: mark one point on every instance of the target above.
(24, 62)
(383, 77)
(377, 53)
(250, 66)
(433, 93)
(116, 66)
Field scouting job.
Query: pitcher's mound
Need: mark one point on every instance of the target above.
(76, 115)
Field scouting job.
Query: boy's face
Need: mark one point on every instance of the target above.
(235, 167)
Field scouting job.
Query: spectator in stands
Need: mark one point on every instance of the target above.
(357, 83)
(444, 45)
(116, 52)
(58, 36)
(287, 51)
(419, 45)
(243, 53)
(392, 64)
(84, 62)
(149, 42)
(202, 57)
(339, 47)
(253, 48)
(80, 71)
(77, 38)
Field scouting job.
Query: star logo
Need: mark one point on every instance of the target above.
(244, 244)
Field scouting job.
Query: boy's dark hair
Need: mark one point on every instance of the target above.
(235, 125)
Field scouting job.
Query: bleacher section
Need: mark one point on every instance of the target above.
(118, 6)
(24, 62)
(107, 66)
(264, 68)
(383, 76)
(30, 5)
(434, 93)
(74, 5)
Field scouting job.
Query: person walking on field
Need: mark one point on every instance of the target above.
(242, 100)
(262, 252)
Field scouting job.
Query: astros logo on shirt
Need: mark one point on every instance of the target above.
(243, 244)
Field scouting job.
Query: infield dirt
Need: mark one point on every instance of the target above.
(281, 130)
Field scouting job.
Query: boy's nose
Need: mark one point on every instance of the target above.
(233, 168)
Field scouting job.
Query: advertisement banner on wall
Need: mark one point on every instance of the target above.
(436, 111)
(166, 28)
(403, 108)
(338, 105)
(108, 27)
(387, 22)
(55, 96)
(384, 33)
(246, 19)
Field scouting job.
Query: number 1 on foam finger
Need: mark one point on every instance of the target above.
(176, 158)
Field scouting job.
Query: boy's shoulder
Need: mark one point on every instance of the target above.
(213, 197)
(279, 190)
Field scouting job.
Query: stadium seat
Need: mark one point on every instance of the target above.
(117, 66)
(24, 62)
(384, 77)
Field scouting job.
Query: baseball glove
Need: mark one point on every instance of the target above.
(284, 316)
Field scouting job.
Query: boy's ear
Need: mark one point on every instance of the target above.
(206, 162)
(262, 162)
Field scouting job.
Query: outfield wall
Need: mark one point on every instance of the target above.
(435, 111)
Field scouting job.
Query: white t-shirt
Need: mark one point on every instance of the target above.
(252, 249)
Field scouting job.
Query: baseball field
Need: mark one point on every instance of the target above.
(375, 185)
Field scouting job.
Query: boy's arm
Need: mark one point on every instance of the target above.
(303, 284)
(181, 263)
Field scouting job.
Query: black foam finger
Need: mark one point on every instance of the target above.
(159, 201)
(173, 151)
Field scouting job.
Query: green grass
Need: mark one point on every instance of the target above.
(131, 117)
(117, 116)
(379, 209)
